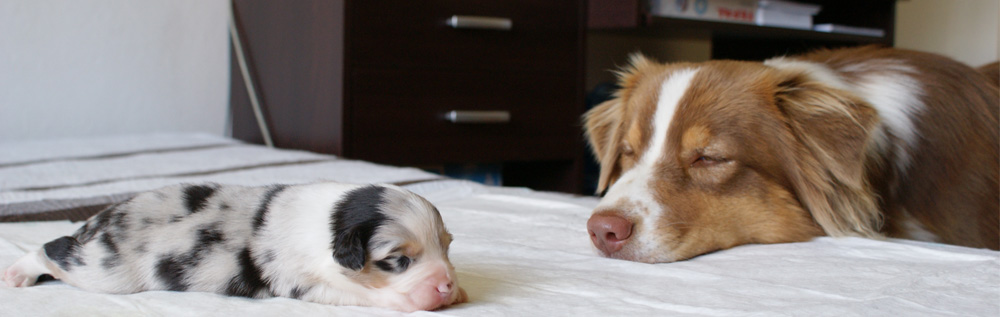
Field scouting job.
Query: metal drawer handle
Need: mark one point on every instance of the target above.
(472, 116)
(479, 22)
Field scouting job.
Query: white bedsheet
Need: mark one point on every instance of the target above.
(523, 253)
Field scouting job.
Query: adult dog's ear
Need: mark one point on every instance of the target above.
(832, 141)
(603, 123)
(602, 128)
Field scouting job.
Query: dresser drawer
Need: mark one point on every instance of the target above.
(399, 117)
(407, 33)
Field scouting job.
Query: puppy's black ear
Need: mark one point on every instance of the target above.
(350, 251)
(355, 219)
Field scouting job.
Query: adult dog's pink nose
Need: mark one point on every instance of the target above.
(609, 232)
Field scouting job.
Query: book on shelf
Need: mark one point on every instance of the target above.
(776, 13)
(735, 11)
(786, 14)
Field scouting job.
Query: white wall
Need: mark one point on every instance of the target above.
(966, 30)
(101, 67)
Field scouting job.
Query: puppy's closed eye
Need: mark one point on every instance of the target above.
(394, 263)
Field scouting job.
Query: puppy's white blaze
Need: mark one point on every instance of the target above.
(631, 193)
(416, 213)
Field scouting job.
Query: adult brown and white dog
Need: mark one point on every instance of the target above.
(330, 243)
(869, 142)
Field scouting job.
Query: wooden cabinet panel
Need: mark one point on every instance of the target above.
(405, 33)
(404, 115)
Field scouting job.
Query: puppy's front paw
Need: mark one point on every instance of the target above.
(15, 277)
(26, 270)
(462, 297)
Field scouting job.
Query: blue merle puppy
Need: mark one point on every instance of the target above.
(338, 244)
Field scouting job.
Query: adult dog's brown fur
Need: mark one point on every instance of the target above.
(867, 142)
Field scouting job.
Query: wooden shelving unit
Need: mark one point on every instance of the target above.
(753, 42)
(723, 29)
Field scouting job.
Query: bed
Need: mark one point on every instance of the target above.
(517, 252)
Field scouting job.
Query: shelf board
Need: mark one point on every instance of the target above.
(662, 25)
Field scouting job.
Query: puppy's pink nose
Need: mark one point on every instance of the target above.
(444, 288)
(609, 232)
(436, 291)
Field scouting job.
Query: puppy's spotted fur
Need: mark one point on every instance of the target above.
(339, 244)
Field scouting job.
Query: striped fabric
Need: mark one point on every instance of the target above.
(75, 178)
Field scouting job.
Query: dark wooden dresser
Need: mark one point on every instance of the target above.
(421, 83)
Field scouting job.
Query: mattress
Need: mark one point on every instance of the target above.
(517, 252)
(42, 180)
